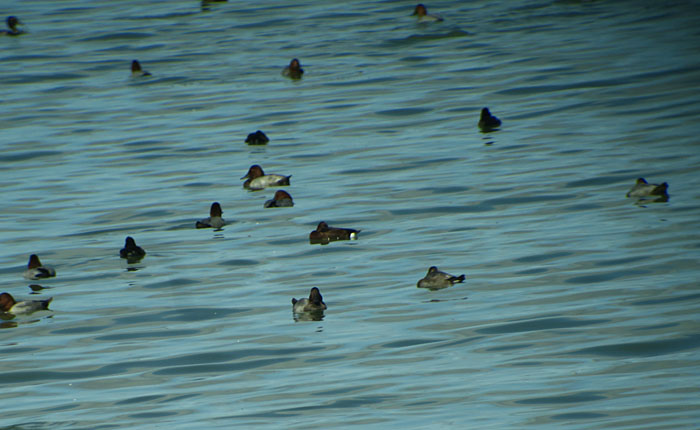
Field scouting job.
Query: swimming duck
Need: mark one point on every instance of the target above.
(257, 179)
(136, 69)
(423, 16)
(324, 234)
(131, 251)
(436, 280)
(644, 189)
(294, 70)
(206, 4)
(10, 305)
(488, 122)
(35, 270)
(313, 304)
(214, 220)
(12, 23)
(282, 199)
(257, 138)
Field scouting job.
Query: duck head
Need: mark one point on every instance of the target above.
(33, 262)
(215, 210)
(255, 171)
(6, 302)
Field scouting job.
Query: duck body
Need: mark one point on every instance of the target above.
(488, 122)
(423, 16)
(214, 219)
(36, 270)
(293, 70)
(210, 222)
(136, 70)
(256, 179)
(437, 280)
(131, 251)
(282, 199)
(257, 138)
(313, 304)
(644, 189)
(325, 234)
(10, 305)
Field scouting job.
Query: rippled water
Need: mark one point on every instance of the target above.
(580, 308)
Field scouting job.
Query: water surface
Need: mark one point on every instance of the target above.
(580, 308)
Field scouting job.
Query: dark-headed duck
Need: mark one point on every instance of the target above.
(282, 199)
(313, 304)
(423, 16)
(257, 138)
(436, 280)
(644, 189)
(136, 69)
(131, 251)
(488, 122)
(35, 270)
(12, 23)
(214, 219)
(294, 70)
(324, 234)
(10, 305)
(206, 4)
(257, 179)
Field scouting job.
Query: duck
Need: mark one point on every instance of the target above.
(488, 122)
(136, 70)
(258, 180)
(294, 70)
(313, 304)
(12, 23)
(282, 199)
(257, 138)
(214, 220)
(437, 280)
(10, 305)
(644, 189)
(423, 16)
(131, 251)
(35, 270)
(324, 234)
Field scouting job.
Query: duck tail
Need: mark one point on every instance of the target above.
(661, 189)
(458, 279)
(45, 303)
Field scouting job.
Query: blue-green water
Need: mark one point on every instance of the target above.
(580, 308)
